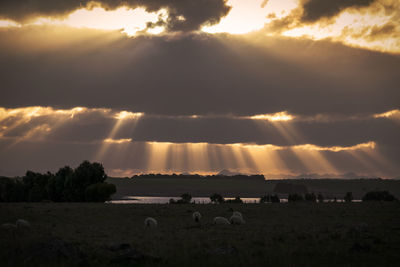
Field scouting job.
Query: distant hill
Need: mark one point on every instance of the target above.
(233, 176)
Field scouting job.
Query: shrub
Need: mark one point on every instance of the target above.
(236, 200)
(186, 198)
(295, 198)
(99, 192)
(269, 198)
(310, 197)
(378, 196)
(217, 198)
(320, 198)
(348, 197)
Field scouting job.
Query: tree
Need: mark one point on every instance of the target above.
(186, 198)
(236, 200)
(348, 197)
(295, 197)
(217, 198)
(320, 198)
(99, 192)
(310, 197)
(378, 196)
(84, 175)
(275, 199)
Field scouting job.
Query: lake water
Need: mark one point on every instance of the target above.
(165, 200)
(197, 200)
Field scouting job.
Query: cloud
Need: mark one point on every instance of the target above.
(210, 75)
(314, 10)
(182, 15)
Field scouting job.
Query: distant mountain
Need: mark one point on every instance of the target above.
(228, 173)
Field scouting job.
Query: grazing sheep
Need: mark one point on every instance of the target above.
(150, 222)
(221, 221)
(236, 219)
(237, 213)
(22, 224)
(196, 216)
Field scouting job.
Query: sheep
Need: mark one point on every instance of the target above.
(150, 222)
(237, 213)
(196, 216)
(221, 221)
(236, 219)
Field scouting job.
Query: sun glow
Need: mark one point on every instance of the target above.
(279, 116)
(128, 21)
(248, 16)
(354, 28)
(389, 114)
(117, 141)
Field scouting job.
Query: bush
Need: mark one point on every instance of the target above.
(320, 198)
(186, 198)
(269, 198)
(236, 200)
(295, 198)
(310, 197)
(99, 192)
(217, 198)
(11, 190)
(348, 197)
(378, 196)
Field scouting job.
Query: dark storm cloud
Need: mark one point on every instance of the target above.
(194, 74)
(317, 9)
(194, 13)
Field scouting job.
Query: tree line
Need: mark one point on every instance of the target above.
(86, 183)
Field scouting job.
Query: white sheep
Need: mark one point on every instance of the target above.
(237, 213)
(22, 224)
(221, 221)
(196, 216)
(150, 222)
(236, 219)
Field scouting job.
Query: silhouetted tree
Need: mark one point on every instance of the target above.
(11, 190)
(348, 197)
(85, 183)
(216, 198)
(186, 198)
(35, 185)
(295, 197)
(264, 199)
(378, 196)
(275, 199)
(84, 175)
(236, 200)
(320, 198)
(99, 192)
(269, 198)
(310, 197)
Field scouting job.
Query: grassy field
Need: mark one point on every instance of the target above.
(330, 188)
(295, 234)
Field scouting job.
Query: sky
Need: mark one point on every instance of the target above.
(284, 88)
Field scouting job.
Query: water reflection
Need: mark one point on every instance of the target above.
(197, 200)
